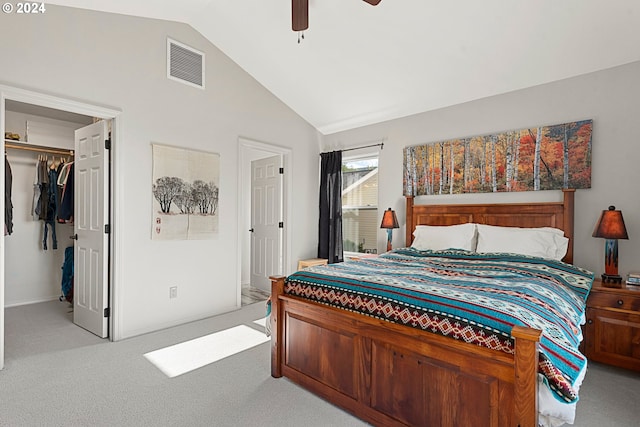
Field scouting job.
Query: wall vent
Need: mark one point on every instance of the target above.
(185, 64)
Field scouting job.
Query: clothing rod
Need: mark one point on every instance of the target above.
(39, 149)
(380, 144)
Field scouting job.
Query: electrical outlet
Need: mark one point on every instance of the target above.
(173, 292)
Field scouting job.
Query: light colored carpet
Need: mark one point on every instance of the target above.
(57, 374)
(99, 383)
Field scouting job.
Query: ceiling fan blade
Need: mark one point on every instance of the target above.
(300, 15)
(372, 2)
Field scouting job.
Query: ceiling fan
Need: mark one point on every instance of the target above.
(300, 13)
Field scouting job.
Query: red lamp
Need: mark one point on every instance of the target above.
(389, 221)
(611, 227)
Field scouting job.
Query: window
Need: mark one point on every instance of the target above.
(360, 204)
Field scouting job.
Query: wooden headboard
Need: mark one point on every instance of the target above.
(544, 214)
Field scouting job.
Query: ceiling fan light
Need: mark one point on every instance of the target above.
(299, 15)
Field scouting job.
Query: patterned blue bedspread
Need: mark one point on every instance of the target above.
(470, 296)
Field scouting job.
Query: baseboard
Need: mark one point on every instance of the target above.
(17, 304)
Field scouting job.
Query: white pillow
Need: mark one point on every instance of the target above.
(544, 242)
(440, 237)
(549, 229)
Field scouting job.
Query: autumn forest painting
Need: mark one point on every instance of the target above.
(541, 158)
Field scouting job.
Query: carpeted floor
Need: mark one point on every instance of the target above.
(57, 374)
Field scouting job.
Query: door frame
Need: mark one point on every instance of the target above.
(92, 110)
(246, 147)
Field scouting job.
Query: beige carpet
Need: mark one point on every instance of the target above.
(57, 374)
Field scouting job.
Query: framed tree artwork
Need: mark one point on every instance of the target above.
(531, 159)
(185, 193)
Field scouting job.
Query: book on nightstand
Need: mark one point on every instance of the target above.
(633, 278)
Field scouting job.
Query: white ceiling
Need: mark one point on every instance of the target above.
(359, 64)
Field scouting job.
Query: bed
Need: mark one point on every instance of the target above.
(388, 373)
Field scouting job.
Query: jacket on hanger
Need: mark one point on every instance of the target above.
(8, 206)
(65, 212)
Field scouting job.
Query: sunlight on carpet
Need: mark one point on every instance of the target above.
(187, 356)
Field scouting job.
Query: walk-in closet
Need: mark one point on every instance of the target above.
(52, 131)
(39, 157)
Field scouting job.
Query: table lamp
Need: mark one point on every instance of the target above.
(611, 227)
(389, 221)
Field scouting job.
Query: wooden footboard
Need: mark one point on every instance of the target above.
(390, 375)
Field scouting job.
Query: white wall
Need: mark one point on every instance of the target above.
(611, 98)
(120, 61)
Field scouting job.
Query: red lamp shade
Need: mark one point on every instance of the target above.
(389, 219)
(610, 226)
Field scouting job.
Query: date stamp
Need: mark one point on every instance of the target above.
(24, 8)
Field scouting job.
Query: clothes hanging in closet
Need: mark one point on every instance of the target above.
(40, 189)
(47, 200)
(52, 208)
(63, 174)
(36, 194)
(65, 211)
(8, 206)
(67, 275)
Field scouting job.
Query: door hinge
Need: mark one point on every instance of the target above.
(107, 144)
(281, 171)
(107, 228)
(281, 225)
(107, 312)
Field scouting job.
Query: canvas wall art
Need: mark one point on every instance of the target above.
(185, 193)
(531, 159)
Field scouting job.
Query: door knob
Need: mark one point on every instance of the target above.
(251, 229)
(74, 237)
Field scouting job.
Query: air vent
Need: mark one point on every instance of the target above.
(185, 64)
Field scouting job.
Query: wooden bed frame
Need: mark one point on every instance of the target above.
(389, 374)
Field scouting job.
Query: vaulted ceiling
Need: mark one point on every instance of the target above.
(360, 64)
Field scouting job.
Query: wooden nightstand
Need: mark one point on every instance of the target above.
(363, 256)
(612, 331)
(304, 263)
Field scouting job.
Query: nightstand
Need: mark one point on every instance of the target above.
(612, 331)
(363, 256)
(304, 263)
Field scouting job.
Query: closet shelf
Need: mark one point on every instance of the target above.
(19, 145)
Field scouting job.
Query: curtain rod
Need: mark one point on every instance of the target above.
(380, 144)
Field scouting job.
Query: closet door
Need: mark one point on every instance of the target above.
(91, 298)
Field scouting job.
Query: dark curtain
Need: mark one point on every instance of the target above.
(330, 227)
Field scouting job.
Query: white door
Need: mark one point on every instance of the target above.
(266, 215)
(90, 299)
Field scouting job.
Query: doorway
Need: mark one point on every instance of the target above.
(250, 152)
(10, 95)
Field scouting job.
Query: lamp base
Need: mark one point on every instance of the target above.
(611, 280)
